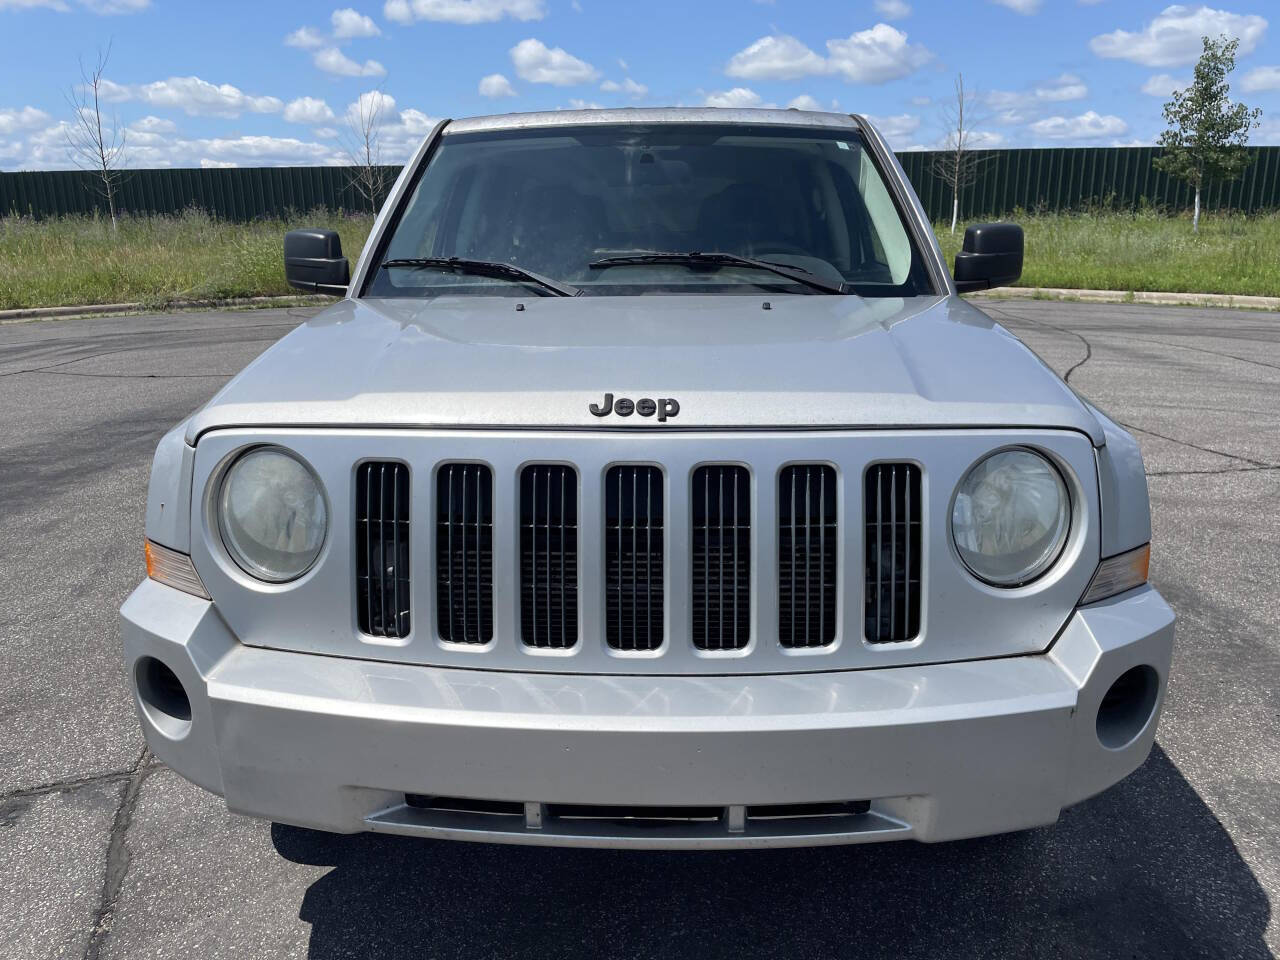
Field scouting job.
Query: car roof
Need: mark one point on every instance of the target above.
(561, 118)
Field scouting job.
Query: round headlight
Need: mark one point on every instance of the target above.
(272, 514)
(1011, 517)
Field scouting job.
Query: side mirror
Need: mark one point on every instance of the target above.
(992, 257)
(313, 261)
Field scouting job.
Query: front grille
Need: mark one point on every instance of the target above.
(721, 544)
(808, 541)
(464, 553)
(382, 549)
(549, 556)
(633, 558)
(892, 534)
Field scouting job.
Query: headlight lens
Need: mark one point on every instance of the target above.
(272, 514)
(1011, 517)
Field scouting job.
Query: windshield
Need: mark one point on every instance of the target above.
(556, 201)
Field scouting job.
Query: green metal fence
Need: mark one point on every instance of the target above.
(1038, 179)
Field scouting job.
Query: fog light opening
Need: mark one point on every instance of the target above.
(1127, 707)
(164, 699)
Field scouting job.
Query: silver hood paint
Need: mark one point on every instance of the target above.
(809, 361)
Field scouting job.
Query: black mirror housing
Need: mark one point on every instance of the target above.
(313, 261)
(991, 257)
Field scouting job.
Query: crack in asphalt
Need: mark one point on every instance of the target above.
(1217, 453)
(1256, 464)
(53, 367)
(69, 785)
(1212, 353)
(1211, 473)
(117, 862)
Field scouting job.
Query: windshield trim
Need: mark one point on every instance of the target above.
(910, 213)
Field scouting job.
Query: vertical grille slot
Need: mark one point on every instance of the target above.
(382, 549)
(892, 534)
(633, 558)
(721, 542)
(807, 550)
(549, 556)
(464, 553)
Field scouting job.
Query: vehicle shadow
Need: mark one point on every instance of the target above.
(1144, 870)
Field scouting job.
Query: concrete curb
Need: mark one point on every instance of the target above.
(101, 309)
(1133, 296)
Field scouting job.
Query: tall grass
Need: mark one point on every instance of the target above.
(158, 260)
(152, 260)
(1146, 250)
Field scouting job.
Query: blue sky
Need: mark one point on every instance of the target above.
(274, 82)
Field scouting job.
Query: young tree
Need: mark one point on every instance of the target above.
(956, 165)
(1207, 131)
(363, 146)
(94, 146)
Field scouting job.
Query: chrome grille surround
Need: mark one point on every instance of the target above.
(720, 534)
(382, 535)
(464, 553)
(808, 550)
(960, 618)
(549, 556)
(633, 558)
(892, 533)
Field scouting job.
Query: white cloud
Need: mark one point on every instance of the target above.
(305, 38)
(463, 11)
(333, 60)
(307, 110)
(577, 104)
(1173, 38)
(496, 85)
(737, 97)
(873, 56)
(804, 102)
(984, 139)
(1162, 85)
(401, 131)
(627, 86)
(775, 58)
(208, 164)
(877, 55)
(1087, 126)
(537, 63)
(325, 133)
(348, 23)
(398, 11)
(152, 125)
(193, 96)
(1024, 7)
(1261, 78)
(896, 128)
(1013, 107)
(1067, 86)
(24, 118)
(101, 7)
(893, 9)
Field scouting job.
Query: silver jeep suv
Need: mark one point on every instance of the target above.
(650, 485)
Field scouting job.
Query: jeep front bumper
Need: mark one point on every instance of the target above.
(940, 752)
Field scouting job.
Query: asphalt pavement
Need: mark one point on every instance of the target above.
(104, 853)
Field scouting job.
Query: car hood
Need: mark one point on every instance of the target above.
(789, 362)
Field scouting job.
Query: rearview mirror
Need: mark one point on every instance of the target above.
(313, 261)
(992, 257)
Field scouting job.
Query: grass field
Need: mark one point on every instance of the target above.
(158, 260)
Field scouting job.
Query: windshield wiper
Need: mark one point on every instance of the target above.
(486, 268)
(697, 258)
